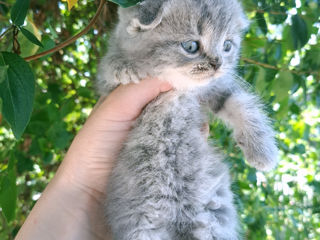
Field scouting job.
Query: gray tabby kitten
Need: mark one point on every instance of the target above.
(168, 182)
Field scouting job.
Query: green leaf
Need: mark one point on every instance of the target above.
(27, 47)
(278, 18)
(19, 12)
(278, 52)
(126, 3)
(282, 85)
(48, 43)
(67, 107)
(262, 22)
(299, 32)
(3, 72)
(252, 177)
(32, 38)
(294, 108)
(3, 8)
(261, 83)
(284, 107)
(24, 163)
(300, 148)
(47, 158)
(58, 135)
(313, 57)
(288, 42)
(8, 192)
(17, 92)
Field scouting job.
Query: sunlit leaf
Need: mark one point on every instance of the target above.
(71, 3)
(282, 85)
(27, 47)
(261, 80)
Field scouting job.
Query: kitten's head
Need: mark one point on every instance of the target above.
(188, 42)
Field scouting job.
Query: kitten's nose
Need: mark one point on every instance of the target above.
(215, 63)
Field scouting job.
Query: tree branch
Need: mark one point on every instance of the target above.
(265, 65)
(270, 12)
(72, 39)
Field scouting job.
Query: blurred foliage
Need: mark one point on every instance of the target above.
(280, 58)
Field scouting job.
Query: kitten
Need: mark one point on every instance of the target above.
(168, 182)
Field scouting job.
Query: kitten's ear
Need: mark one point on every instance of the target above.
(149, 15)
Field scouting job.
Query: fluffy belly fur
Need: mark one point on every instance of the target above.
(168, 182)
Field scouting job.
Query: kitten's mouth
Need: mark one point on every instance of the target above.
(204, 72)
(203, 75)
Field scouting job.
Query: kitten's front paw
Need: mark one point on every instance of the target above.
(260, 151)
(264, 163)
(114, 71)
(126, 74)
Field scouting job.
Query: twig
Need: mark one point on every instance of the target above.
(265, 65)
(5, 32)
(72, 39)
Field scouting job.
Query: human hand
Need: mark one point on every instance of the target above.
(71, 206)
(97, 145)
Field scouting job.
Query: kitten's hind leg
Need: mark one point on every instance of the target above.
(215, 224)
(217, 219)
(152, 234)
(140, 226)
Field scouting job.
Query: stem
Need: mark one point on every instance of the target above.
(72, 39)
(5, 32)
(15, 44)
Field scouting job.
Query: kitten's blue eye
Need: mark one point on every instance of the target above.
(191, 46)
(227, 46)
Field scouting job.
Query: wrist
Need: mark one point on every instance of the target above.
(64, 211)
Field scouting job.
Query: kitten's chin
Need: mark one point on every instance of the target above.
(182, 82)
